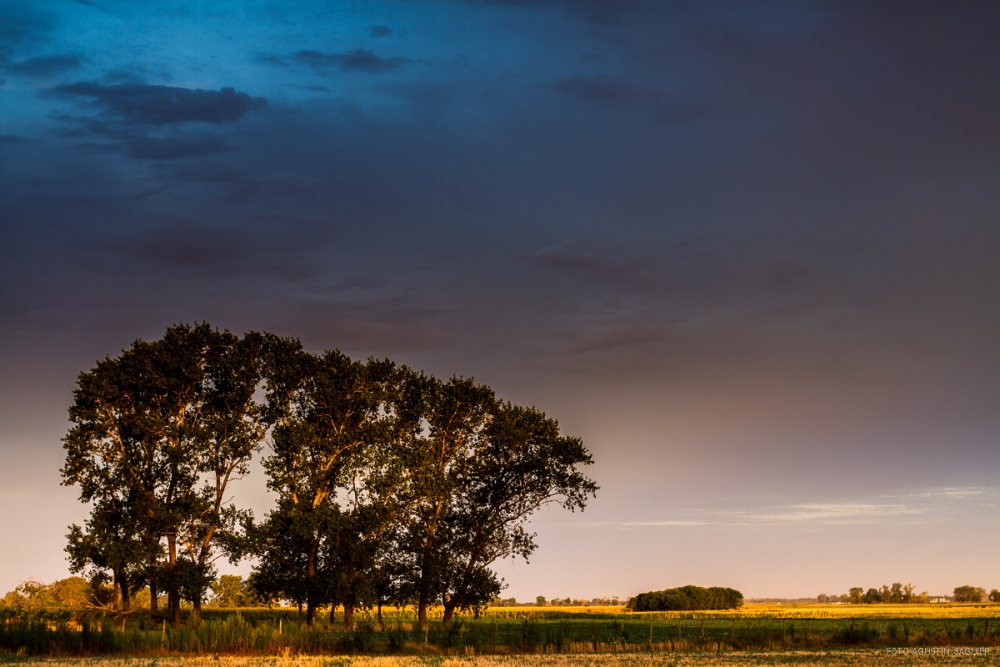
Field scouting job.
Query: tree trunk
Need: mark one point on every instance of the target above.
(311, 609)
(381, 625)
(449, 613)
(333, 612)
(154, 599)
(126, 596)
(348, 616)
(173, 594)
(422, 612)
(116, 583)
(174, 607)
(196, 608)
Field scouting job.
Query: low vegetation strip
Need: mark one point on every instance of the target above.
(842, 658)
(276, 633)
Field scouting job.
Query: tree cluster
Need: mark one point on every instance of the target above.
(972, 594)
(540, 601)
(900, 594)
(895, 594)
(231, 590)
(392, 486)
(687, 598)
(70, 594)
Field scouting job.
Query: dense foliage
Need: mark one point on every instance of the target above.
(392, 486)
(687, 598)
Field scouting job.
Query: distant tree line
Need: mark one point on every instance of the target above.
(541, 601)
(687, 598)
(900, 594)
(393, 487)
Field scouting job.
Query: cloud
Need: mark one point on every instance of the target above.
(186, 244)
(271, 59)
(45, 66)
(931, 504)
(14, 139)
(21, 24)
(595, 262)
(683, 112)
(359, 60)
(379, 30)
(598, 90)
(786, 273)
(390, 324)
(142, 104)
(832, 512)
(153, 148)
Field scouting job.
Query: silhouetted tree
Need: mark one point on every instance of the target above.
(159, 433)
(329, 413)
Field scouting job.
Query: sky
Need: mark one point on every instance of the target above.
(748, 252)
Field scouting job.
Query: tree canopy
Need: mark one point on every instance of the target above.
(391, 486)
(687, 598)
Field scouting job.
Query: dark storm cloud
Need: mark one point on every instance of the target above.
(164, 105)
(597, 12)
(44, 66)
(187, 244)
(390, 325)
(14, 139)
(21, 24)
(698, 231)
(598, 89)
(599, 263)
(152, 148)
(359, 60)
(136, 142)
(270, 59)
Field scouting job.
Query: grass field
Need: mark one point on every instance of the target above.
(519, 631)
(841, 658)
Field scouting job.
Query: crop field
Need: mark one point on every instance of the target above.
(515, 631)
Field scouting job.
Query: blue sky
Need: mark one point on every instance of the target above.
(748, 253)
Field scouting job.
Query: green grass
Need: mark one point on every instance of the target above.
(838, 658)
(259, 632)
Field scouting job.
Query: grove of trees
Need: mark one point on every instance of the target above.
(687, 598)
(900, 594)
(393, 487)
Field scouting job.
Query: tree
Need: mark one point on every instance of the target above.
(857, 595)
(456, 413)
(520, 464)
(994, 595)
(969, 594)
(159, 434)
(71, 594)
(327, 412)
(110, 546)
(230, 590)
